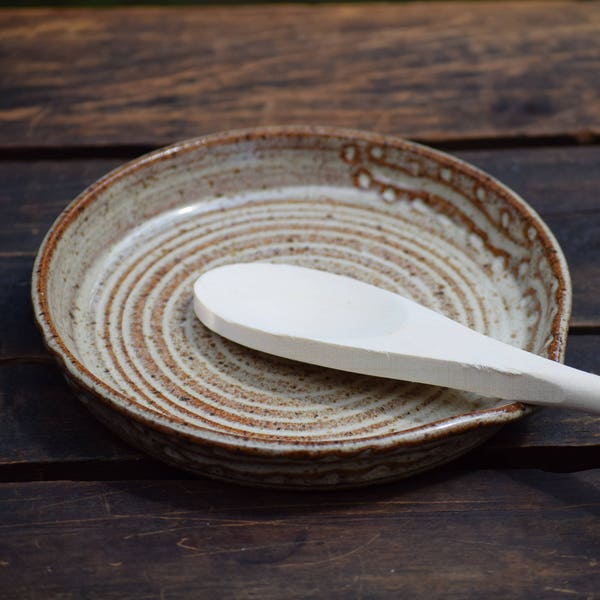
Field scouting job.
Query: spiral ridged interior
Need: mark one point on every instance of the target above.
(377, 216)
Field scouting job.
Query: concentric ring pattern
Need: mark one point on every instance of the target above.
(397, 216)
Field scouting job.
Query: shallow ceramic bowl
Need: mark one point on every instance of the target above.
(112, 291)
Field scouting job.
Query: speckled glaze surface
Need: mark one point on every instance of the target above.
(112, 292)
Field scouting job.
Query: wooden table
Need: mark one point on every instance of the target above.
(511, 87)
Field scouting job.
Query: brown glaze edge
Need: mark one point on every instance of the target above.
(90, 384)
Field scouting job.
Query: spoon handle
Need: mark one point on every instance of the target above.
(470, 362)
(581, 390)
(516, 374)
(338, 322)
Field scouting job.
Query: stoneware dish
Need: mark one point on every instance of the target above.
(112, 293)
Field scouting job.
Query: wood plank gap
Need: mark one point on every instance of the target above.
(129, 151)
(585, 328)
(90, 470)
(66, 153)
(551, 459)
(513, 142)
(40, 359)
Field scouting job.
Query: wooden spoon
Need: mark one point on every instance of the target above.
(339, 322)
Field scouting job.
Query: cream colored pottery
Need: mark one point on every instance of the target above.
(112, 292)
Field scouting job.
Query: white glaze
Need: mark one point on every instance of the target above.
(132, 245)
(335, 321)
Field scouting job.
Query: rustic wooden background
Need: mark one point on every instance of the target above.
(512, 87)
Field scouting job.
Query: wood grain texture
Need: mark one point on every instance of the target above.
(560, 183)
(433, 71)
(43, 421)
(511, 534)
(115, 81)
(45, 424)
(31, 197)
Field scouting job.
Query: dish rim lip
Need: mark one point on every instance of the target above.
(434, 431)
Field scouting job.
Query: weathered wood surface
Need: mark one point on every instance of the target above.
(479, 534)
(517, 518)
(44, 424)
(31, 197)
(447, 71)
(560, 183)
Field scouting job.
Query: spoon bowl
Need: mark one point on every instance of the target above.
(334, 321)
(113, 280)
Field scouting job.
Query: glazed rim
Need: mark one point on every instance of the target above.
(82, 377)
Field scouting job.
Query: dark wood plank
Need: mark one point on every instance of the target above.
(561, 183)
(18, 334)
(437, 72)
(31, 197)
(44, 424)
(43, 421)
(555, 427)
(35, 398)
(34, 192)
(510, 534)
(554, 180)
(555, 439)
